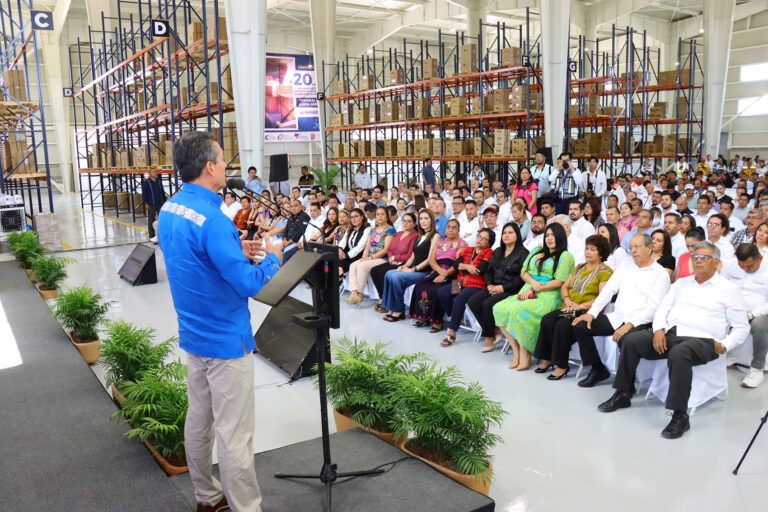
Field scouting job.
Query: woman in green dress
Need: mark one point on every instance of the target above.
(544, 272)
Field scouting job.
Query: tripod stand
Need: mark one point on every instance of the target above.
(759, 427)
(321, 271)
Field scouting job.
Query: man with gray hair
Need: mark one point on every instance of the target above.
(746, 235)
(698, 320)
(640, 288)
(575, 243)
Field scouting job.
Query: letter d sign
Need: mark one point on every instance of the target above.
(161, 28)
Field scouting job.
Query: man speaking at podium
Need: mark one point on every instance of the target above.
(211, 279)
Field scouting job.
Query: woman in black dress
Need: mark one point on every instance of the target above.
(662, 251)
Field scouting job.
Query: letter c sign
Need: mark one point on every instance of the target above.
(42, 20)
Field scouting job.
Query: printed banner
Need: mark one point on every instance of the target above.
(291, 99)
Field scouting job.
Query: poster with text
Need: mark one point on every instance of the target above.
(291, 99)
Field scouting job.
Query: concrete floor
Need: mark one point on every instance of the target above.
(558, 451)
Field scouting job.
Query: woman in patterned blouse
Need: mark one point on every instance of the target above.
(374, 254)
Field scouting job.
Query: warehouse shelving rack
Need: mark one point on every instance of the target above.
(486, 77)
(22, 112)
(625, 75)
(135, 95)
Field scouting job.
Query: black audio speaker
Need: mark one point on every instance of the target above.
(287, 344)
(278, 167)
(140, 267)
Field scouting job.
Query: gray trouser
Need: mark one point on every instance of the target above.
(759, 341)
(222, 403)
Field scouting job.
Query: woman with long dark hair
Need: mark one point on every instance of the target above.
(545, 270)
(618, 255)
(400, 250)
(592, 210)
(353, 243)
(374, 254)
(662, 250)
(328, 229)
(687, 222)
(526, 188)
(502, 279)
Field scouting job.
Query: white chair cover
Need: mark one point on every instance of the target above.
(709, 380)
(742, 355)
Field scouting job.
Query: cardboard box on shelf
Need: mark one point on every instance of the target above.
(377, 148)
(518, 148)
(455, 147)
(458, 106)
(482, 145)
(362, 115)
(366, 82)
(363, 148)
(429, 69)
(390, 147)
(397, 77)
(390, 111)
(468, 59)
(374, 115)
(195, 31)
(511, 57)
(421, 108)
(350, 151)
(342, 87)
(222, 25)
(501, 141)
(336, 120)
(338, 150)
(424, 147)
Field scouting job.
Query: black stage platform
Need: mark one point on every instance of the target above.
(410, 486)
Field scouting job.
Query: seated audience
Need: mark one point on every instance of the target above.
(502, 279)
(761, 239)
(618, 255)
(520, 218)
(241, 216)
(544, 272)
(412, 271)
(593, 212)
(640, 287)
(687, 222)
(676, 237)
(627, 221)
(717, 229)
(536, 237)
(471, 265)
(575, 243)
(749, 273)
(580, 227)
(662, 251)
(230, 205)
(644, 226)
(425, 307)
(328, 230)
(353, 243)
(374, 254)
(697, 321)
(400, 251)
(747, 235)
(578, 292)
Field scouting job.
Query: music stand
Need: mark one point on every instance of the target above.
(321, 271)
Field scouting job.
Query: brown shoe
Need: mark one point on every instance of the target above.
(221, 505)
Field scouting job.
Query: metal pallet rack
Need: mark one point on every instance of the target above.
(25, 170)
(623, 81)
(486, 77)
(135, 95)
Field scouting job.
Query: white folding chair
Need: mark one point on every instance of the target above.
(606, 348)
(741, 355)
(470, 323)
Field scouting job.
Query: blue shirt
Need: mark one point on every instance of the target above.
(210, 277)
(440, 223)
(429, 175)
(630, 234)
(256, 186)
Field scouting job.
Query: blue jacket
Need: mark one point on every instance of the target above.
(152, 192)
(210, 277)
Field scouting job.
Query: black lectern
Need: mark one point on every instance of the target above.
(321, 271)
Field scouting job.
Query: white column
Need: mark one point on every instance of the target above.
(555, 16)
(323, 21)
(718, 28)
(58, 114)
(475, 10)
(246, 32)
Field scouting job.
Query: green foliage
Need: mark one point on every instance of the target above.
(25, 247)
(81, 311)
(127, 352)
(447, 417)
(326, 178)
(362, 379)
(156, 408)
(50, 271)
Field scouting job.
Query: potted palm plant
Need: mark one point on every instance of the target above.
(26, 248)
(127, 352)
(360, 383)
(80, 312)
(50, 271)
(448, 423)
(326, 177)
(156, 407)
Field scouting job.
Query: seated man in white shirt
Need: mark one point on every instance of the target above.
(536, 236)
(718, 234)
(230, 205)
(504, 205)
(749, 272)
(575, 243)
(581, 227)
(698, 320)
(471, 225)
(640, 287)
(703, 210)
(672, 226)
(726, 208)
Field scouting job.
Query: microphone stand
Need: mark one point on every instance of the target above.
(759, 427)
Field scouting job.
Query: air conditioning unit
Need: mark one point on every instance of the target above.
(12, 216)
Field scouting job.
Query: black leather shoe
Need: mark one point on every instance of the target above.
(677, 426)
(595, 375)
(561, 376)
(544, 370)
(619, 400)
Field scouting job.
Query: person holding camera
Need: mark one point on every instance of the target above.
(565, 184)
(579, 291)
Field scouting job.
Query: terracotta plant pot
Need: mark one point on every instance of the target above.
(346, 423)
(473, 482)
(48, 294)
(117, 396)
(90, 350)
(31, 274)
(169, 468)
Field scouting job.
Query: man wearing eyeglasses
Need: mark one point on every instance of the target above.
(698, 320)
(717, 234)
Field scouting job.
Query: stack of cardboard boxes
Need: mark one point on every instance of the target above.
(481, 145)
(501, 138)
(397, 77)
(405, 148)
(429, 69)
(484, 105)
(458, 106)
(16, 84)
(423, 148)
(230, 147)
(518, 148)
(456, 148)
(511, 57)
(420, 109)
(658, 111)
(682, 108)
(670, 77)
(390, 111)
(366, 82)
(592, 106)
(47, 227)
(14, 154)
(467, 59)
